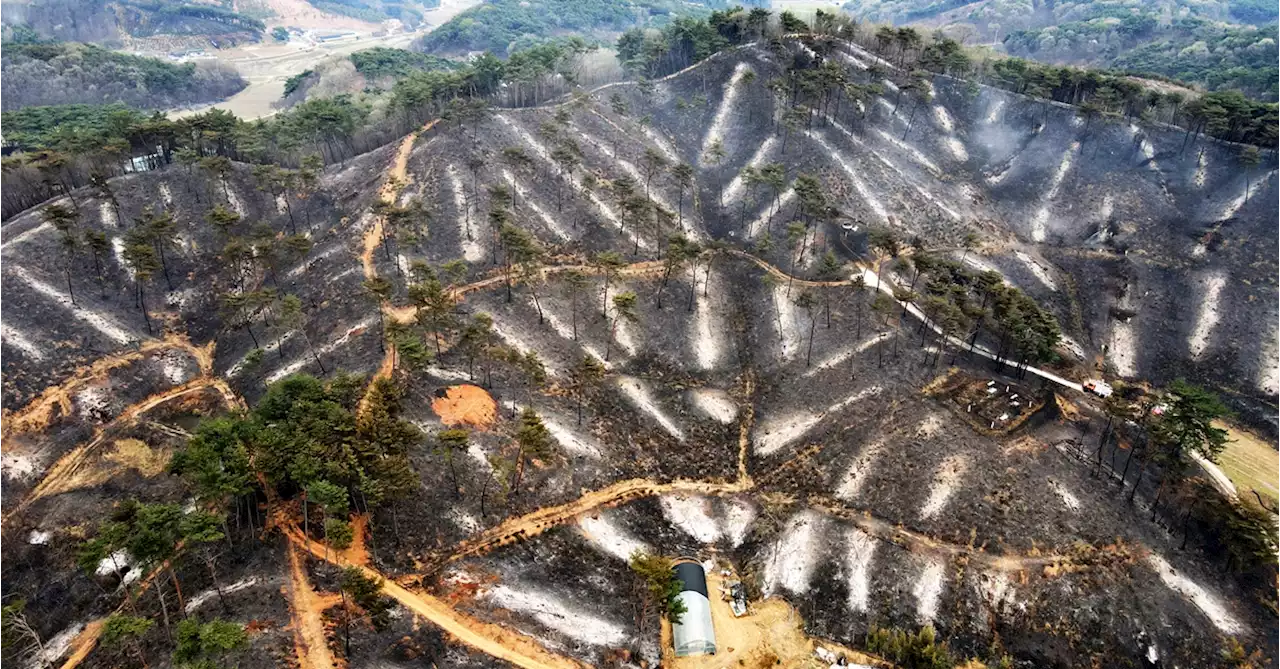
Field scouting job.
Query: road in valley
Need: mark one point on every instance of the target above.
(268, 64)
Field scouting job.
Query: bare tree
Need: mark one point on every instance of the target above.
(26, 644)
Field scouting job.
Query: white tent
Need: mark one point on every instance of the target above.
(694, 634)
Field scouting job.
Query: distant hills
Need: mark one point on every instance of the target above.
(1218, 44)
(503, 26)
(376, 11)
(110, 22)
(55, 73)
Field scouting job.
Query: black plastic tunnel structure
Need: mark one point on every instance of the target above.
(694, 634)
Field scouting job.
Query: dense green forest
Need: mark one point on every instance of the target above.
(376, 11)
(55, 73)
(1215, 44)
(108, 21)
(61, 126)
(1207, 53)
(368, 72)
(380, 62)
(504, 26)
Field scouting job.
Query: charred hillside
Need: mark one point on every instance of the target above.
(799, 385)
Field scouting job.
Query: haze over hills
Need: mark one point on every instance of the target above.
(813, 309)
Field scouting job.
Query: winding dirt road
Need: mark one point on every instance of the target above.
(488, 638)
(37, 415)
(535, 523)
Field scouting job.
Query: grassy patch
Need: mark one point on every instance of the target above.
(1252, 463)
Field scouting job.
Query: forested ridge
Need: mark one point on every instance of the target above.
(380, 62)
(1218, 45)
(506, 26)
(366, 74)
(377, 11)
(57, 73)
(108, 21)
(1193, 50)
(346, 125)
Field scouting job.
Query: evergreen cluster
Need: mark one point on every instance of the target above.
(306, 436)
(62, 73)
(506, 26)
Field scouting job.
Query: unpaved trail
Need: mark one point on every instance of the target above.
(40, 412)
(397, 179)
(404, 314)
(795, 281)
(488, 638)
(744, 430)
(358, 552)
(537, 522)
(61, 475)
(309, 641)
(87, 639)
(922, 544)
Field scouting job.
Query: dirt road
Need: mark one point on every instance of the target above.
(537, 522)
(267, 67)
(488, 638)
(307, 606)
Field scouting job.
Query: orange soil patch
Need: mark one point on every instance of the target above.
(309, 639)
(466, 405)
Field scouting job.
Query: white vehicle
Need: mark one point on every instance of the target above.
(1098, 387)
